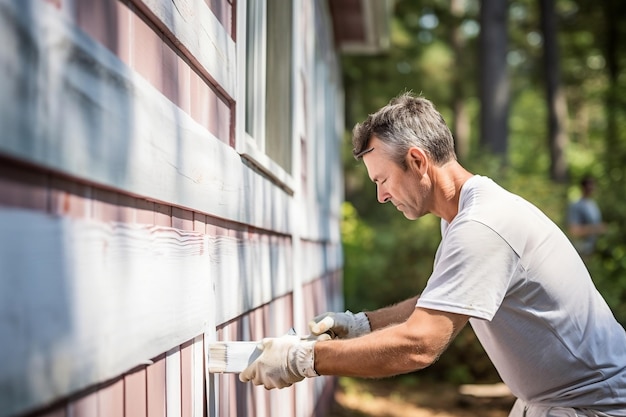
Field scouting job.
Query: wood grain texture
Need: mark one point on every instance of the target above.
(193, 25)
(97, 120)
(89, 300)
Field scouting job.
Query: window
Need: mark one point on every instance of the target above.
(265, 102)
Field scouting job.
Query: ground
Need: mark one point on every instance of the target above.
(399, 398)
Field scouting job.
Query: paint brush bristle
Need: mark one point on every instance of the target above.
(231, 357)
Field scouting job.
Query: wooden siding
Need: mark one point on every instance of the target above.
(132, 230)
(144, 144)
(171, 384)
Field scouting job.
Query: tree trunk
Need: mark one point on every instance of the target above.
(615, 102)
(555, 96)
(461, 126)
(494, 83)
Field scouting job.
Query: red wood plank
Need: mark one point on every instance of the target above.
(199, 222)
(68, 198)
(126, 211)
(124, 32)
(144, 211)
(182, 219)
(111, 400)
(162, 215)
(105, 205)
(184, 85)
(155, 378)
(86, 406)
(101, 20)
(135, 394)
(221, 125)
(201, 98)
(186, 378)
(170, 86)
(23, 187)
(147, 51)
(223, 10)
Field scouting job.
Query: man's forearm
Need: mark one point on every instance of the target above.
(411, 345)
(397, 313)
(387, 352)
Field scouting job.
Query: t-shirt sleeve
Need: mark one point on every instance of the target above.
(473, 270)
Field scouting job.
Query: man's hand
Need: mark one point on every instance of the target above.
(284, 361)
(341, 325)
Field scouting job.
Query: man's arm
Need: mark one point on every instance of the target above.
(348, 325)
(394, 314)
(411, 345)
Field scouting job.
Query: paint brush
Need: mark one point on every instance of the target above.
(231, 357)
(234, 357)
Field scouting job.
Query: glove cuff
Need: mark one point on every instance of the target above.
(302, 359)
(361, 325)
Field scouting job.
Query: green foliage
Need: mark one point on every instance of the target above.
(387, 261)
(388, 258)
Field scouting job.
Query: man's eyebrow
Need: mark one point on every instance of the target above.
(360, 154)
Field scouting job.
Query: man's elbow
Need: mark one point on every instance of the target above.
(424, 358)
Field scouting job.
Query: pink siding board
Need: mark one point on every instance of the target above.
(125, 24)
(186, 375)
(126, 208)
(199, 222)
(218, 227)
(184, 85)
(208, 108)
(162, 215)
(155, 388)
(228, 392)
(68, 198)
(182, 219)
(147, 51)
(111, 400)
(140, 44)
(105, 205)
(107, 21)
(24, 187)
(201, 99)
(144, 211)
(135, 394)
(222, 122)
(86, 406)
(170, 83)
(223, 10)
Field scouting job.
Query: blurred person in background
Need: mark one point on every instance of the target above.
(584, 218)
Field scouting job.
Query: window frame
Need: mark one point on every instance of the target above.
(253, 148)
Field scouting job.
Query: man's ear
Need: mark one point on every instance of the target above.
(417, 160)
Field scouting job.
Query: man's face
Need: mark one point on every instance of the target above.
(404, 188)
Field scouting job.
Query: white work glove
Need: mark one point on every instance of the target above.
(341, 325)
(284, 361)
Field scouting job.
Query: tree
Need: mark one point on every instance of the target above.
(460, 125)
(555, 95)
(494, 83)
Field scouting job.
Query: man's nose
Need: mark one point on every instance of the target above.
(382, 195)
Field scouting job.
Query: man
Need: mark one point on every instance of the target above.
(502, 266)
(584, 218)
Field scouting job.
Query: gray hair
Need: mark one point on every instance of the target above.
(406, 121)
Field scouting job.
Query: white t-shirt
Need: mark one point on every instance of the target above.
(532, 303)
